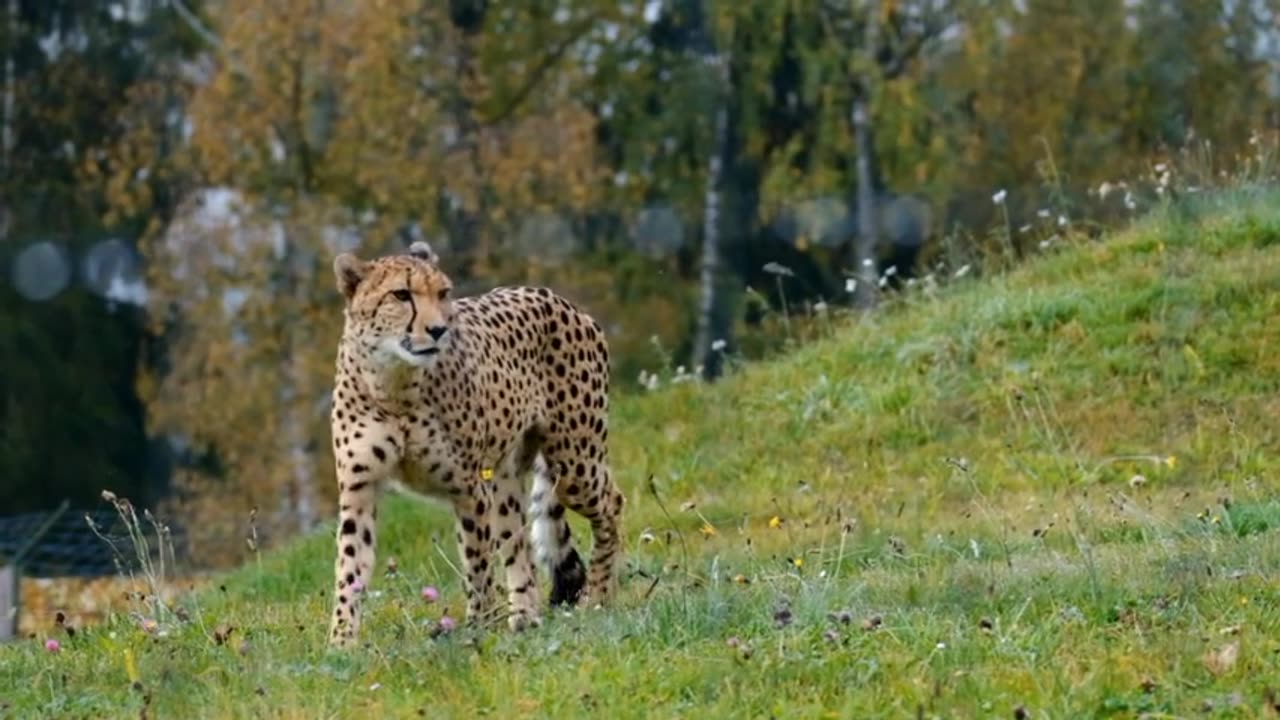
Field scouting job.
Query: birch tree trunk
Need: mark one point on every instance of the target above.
(867, 293)
(709, 268)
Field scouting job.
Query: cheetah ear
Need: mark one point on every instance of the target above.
(423, 251)
(349, 270)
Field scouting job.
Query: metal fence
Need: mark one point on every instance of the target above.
(53, 544)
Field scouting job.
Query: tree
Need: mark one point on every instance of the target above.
(321, 126)
(68, 353)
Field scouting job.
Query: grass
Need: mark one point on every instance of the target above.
(1050, 493)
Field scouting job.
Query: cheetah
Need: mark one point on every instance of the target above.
(461, 400)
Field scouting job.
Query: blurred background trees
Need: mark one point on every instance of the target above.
(176, 176)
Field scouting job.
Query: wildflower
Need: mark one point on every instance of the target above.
(647, 537)
(707, 530)
(964, 270)
(430, 594)
(1137, 481)
(775, 522)
(1043, 213)
(52, 645)
(999, 196)
(718, 345)
(798, 562)
(447, 624)
(149, 625)
(374, 686)
(1171, 461)
(487, 473)
(850, 285)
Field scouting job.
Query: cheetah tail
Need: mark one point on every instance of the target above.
(552, 539)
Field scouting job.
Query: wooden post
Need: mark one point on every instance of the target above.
(9, 598)
(11, 575)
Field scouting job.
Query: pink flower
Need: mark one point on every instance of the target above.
(447, 623)
(52, 645)
(430, 594)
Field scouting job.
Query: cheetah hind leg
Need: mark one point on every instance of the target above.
(513, 540)
(553, 540)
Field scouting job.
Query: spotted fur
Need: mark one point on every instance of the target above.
(462, 400)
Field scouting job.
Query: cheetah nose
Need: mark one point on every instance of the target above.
(435, 331)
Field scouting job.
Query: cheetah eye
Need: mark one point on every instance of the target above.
(443, 294)
(401, 295)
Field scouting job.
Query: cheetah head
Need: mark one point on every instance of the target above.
(398, 308)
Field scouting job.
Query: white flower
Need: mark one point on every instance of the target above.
(1044, 213)
(717, 345)
(850, 285)
(999, 197)
(964, 270)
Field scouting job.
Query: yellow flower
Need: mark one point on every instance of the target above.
(708, 530)
(1171, 461)
(798, 562)
(1244, 600)
(775, 522)
(487, 474)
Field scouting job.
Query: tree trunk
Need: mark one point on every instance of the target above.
(706, 354)
(10, 85)
(867, 293)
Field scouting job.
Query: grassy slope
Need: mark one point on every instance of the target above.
(950, 467)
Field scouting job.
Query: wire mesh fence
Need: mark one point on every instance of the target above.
(64, 566)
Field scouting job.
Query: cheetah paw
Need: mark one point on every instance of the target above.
(520, 621)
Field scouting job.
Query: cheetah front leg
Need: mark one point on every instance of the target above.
(359, 473)
(475, 544)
